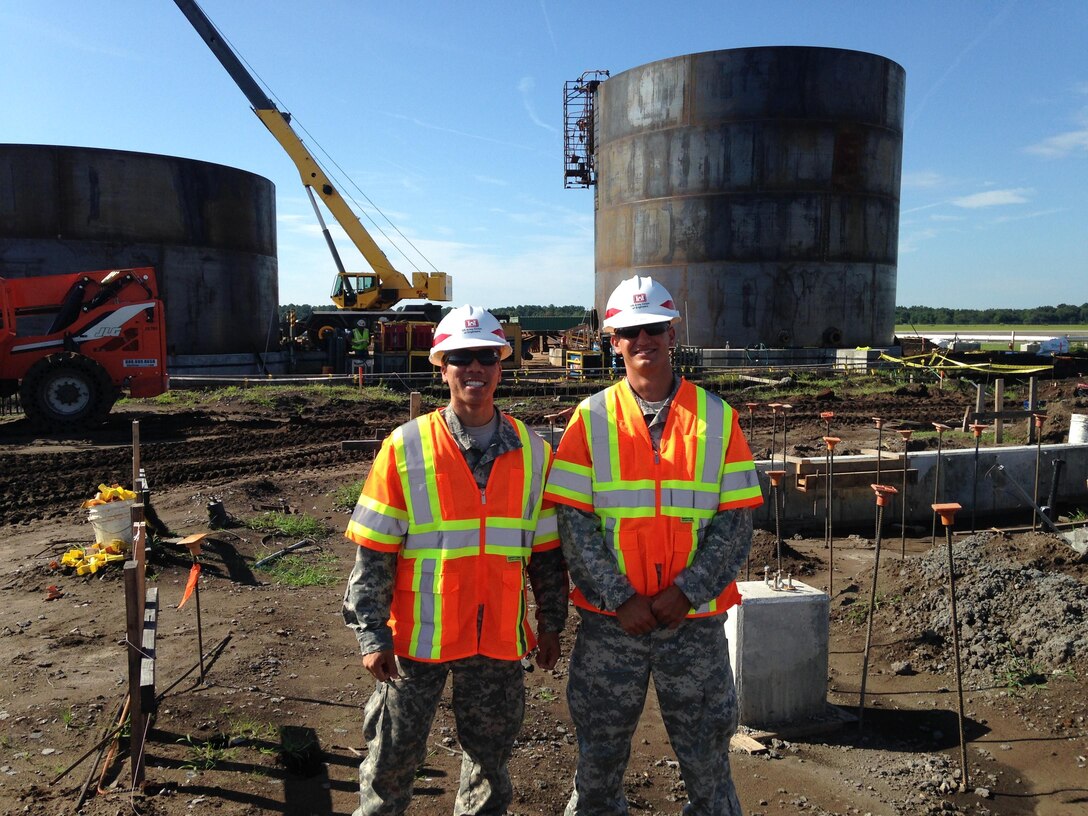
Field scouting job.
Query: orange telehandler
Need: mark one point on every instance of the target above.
(70, 343)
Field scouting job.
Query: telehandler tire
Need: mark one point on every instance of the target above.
(65, 392)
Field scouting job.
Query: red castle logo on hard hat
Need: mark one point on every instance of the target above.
(472, 323)
(638, 297)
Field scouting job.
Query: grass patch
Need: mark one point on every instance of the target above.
(298, 571)
(204, 755)
(858, 612)
(345, 496)
(297, 525)
(1020, 674)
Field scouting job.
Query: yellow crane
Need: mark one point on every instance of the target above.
(384, 286)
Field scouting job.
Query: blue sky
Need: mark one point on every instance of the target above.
(448, 116)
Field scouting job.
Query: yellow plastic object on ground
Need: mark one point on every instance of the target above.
(90, 560)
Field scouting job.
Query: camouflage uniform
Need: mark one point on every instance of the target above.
(610, 670)
(488, 694)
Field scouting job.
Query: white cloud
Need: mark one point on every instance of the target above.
(1036, 214)
(923, 179)
(526, 85)
(993, 198)
(1062, 145)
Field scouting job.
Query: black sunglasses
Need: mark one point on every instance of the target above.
(631, 332)
(462, 358)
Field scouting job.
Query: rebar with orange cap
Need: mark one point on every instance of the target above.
(940, 428)
(947, 512)
(905, 433)
(976, 428)
(882, 493)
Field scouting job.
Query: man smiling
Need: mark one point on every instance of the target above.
(449, 524)
(654, 483)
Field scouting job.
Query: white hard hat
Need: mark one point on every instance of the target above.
(639, 301)
(468, 327)
(361, 323)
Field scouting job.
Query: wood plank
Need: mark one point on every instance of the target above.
(742, 743)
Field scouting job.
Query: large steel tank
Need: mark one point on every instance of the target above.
(209, 230)
(761, 186)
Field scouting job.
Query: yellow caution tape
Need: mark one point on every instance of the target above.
(938, 362)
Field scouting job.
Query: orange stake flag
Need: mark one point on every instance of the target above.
(194, 576)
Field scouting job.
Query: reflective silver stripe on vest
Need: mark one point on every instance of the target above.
(697, 499)
(426, 646)
(415, 465)
(535, 464)
(377, 521)
(574, 482)
(599, 434)
(739, 480)
(512, 537)
(621, 499)
(715, 439)
(444, 540)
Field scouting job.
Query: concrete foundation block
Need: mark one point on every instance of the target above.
(778, 641)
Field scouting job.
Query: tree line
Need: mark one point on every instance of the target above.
(303, 310)
(1062, 314)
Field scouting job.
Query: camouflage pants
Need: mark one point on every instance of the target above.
(488, 706)
(609, 674)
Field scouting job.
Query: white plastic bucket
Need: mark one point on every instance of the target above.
(111, 521)
(1078, 429)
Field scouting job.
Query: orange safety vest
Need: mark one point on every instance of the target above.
(460, 550)
(653, 506)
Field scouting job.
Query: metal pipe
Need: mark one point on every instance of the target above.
(976, 428)
(776, 479)
(940, 428)
(1038, 457)
(774, 406)
(948, 518)
(905, 433)
(882, 492)
(831, 442)
(879, 443)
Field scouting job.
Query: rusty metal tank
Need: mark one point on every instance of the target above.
(761, 187)
(209, 230)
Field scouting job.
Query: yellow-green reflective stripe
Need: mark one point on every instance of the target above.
(358, 530)
(427, 610)
(609, 524)
(374, 518)
(700, 432)
(442, 554)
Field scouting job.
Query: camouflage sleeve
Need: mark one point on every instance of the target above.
(723, 550)
(368, 597)
(548, 578)
(592, 564)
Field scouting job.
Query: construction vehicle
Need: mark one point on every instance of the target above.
(70, 343)
(356, 295)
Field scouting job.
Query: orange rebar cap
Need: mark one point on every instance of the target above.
(977, 428)
(776, 476)
(879, 421)
(882, 493)
(940, 427)
(826, 415)
(904, 432)
(947, 512)
(1039, 419)
(831, 442)
(751, 406)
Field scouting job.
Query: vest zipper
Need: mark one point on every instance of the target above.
(480, 578)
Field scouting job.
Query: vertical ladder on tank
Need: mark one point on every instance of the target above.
(578, 143)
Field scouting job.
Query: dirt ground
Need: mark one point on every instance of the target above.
(276, 725)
